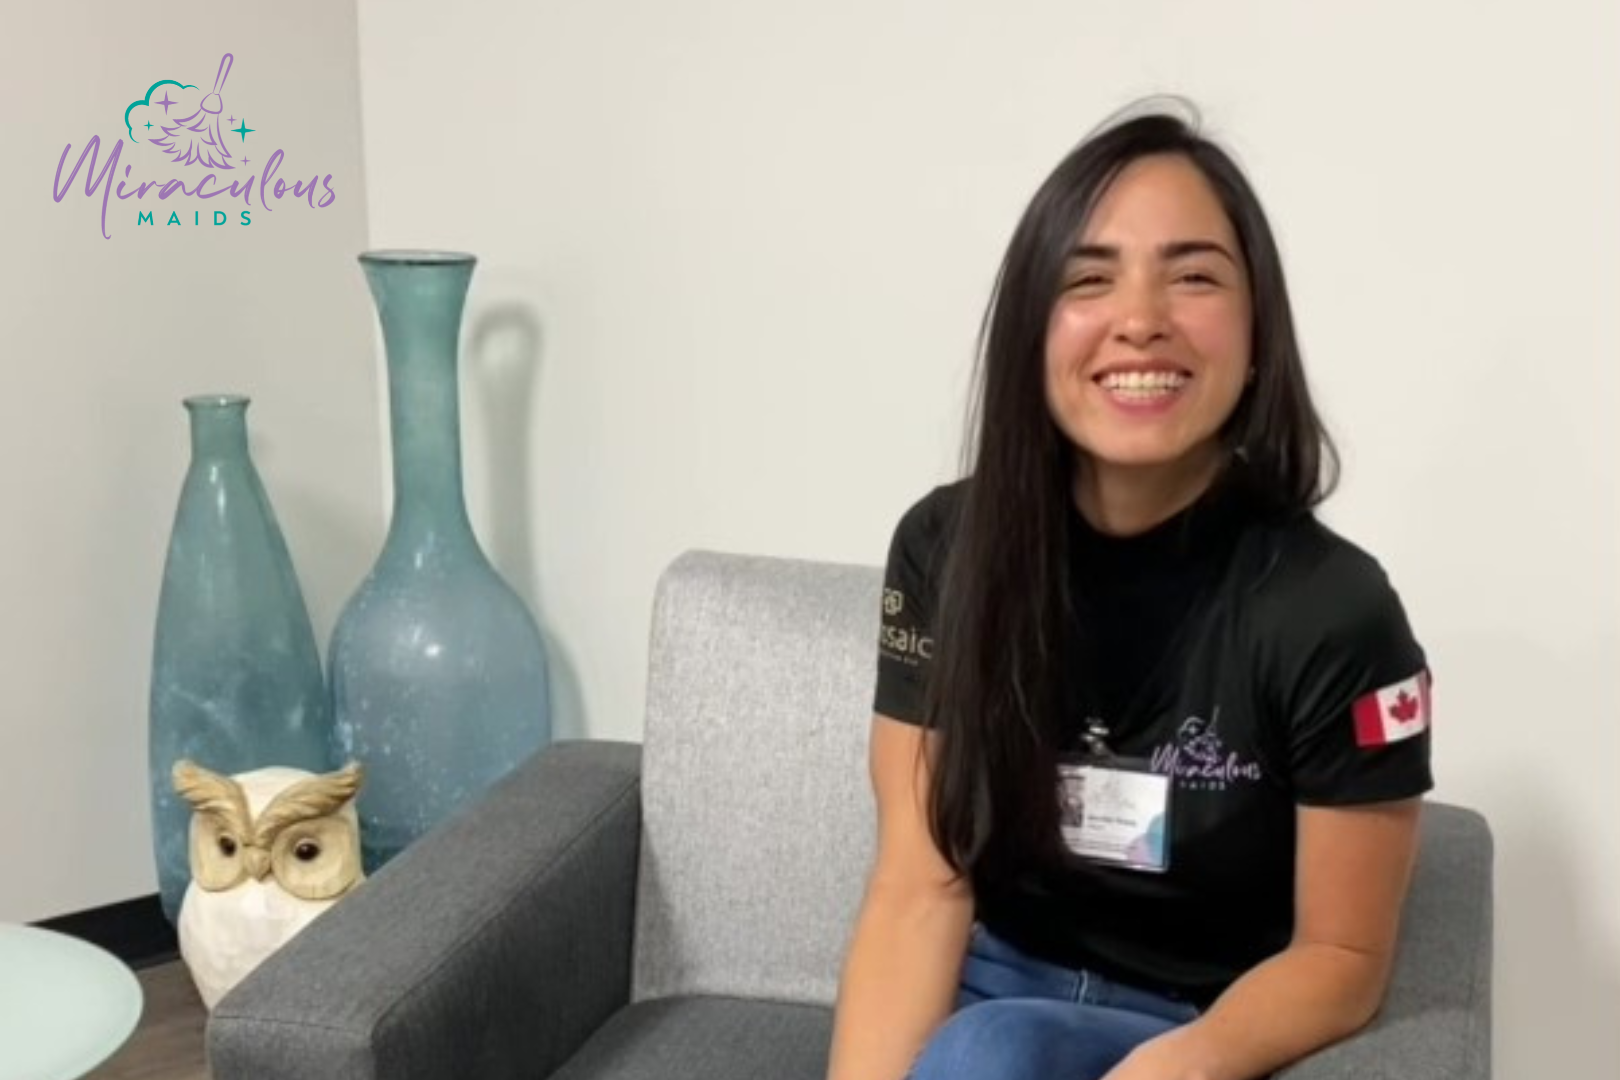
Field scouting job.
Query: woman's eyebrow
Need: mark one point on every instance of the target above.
(1174, 249)
(1180, 248)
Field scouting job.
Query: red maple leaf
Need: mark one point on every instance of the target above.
(1405, 708)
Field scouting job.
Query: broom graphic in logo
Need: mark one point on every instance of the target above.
(197, 138)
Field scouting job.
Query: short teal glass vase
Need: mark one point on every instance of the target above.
(438, 671)
(236, 673)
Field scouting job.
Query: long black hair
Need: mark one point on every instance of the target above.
(994, 695)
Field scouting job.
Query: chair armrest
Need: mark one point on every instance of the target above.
(492, 947)
(1436, 1019)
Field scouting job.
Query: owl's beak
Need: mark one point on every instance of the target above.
(256, 861)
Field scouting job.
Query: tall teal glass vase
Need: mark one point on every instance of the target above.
(236, 672)
(439, 674)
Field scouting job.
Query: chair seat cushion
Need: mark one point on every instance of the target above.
(714, 1038)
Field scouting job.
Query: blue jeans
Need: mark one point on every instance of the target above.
(1019, 1018)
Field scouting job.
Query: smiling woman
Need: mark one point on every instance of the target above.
(1129, 594)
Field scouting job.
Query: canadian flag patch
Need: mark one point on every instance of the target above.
(1398, 711)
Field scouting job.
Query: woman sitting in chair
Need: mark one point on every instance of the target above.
(1130, 600)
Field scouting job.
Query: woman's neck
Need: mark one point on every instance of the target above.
(1124, 500)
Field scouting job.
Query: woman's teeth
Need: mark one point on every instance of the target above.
(1143, 385)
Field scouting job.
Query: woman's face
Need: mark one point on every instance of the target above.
(1148, 347)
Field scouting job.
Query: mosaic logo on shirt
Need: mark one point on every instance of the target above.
(899, 641)
(1198, 760)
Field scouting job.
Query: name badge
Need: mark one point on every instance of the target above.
(1116, 813)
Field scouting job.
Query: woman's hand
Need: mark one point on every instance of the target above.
(1175, 1055)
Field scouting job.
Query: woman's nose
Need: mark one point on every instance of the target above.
(1142, 317)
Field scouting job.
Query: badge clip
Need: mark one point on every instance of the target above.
(1096, 738)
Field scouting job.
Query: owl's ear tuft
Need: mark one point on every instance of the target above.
(213, 795)
(315, 797)
(186, 773)
(351, 776)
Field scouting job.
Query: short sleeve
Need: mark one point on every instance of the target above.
(910, 597)
(1351, 686)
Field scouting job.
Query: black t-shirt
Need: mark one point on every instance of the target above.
(1262, 664)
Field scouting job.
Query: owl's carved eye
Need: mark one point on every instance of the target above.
(307, 851)
(227, 846)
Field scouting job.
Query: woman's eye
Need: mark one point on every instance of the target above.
(1197, 277)
(1087, 281)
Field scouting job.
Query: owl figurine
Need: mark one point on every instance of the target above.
(270, 850)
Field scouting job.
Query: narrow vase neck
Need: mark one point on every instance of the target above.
(419, 303)
(218, 428)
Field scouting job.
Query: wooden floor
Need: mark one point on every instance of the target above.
(168, 1044)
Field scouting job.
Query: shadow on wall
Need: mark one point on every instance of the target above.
(502, 367)
(1556, 1015)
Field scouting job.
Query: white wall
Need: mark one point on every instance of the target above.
(102, 337)
(739, 252)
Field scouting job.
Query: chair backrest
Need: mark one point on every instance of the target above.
(757, 813)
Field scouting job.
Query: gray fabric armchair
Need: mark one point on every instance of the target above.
(679, 909)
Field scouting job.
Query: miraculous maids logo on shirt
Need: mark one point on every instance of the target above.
(182, 126)
(1199, 761)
